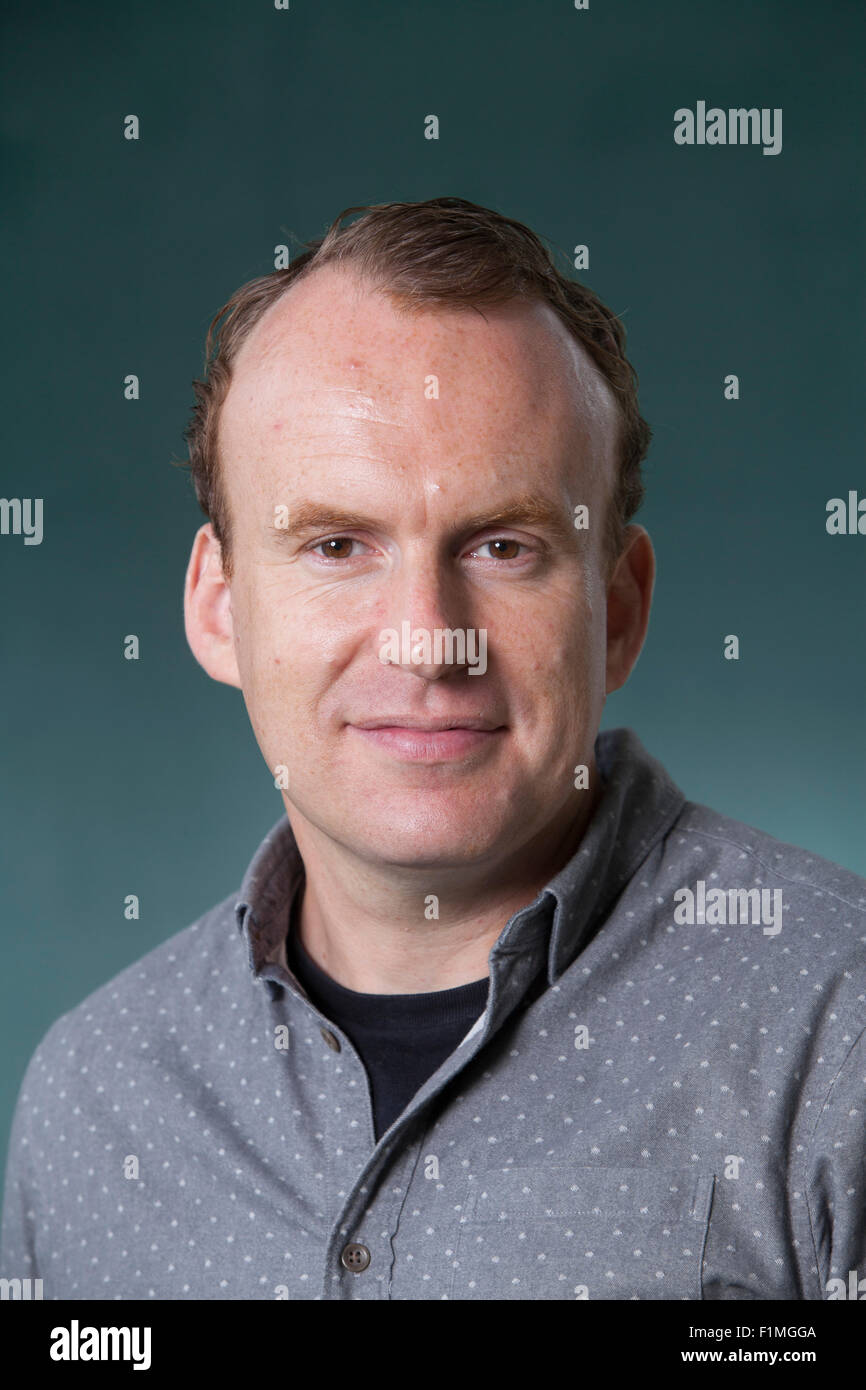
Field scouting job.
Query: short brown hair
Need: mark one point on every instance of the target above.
(445, 251)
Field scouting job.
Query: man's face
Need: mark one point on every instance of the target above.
(362, 500)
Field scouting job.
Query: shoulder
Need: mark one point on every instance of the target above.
(704, 835)
(735, 885)
(145, 998)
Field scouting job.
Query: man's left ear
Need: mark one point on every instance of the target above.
(629, 596)
(207, 610)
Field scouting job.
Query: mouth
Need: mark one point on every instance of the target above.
(406, 721)
(430, 740)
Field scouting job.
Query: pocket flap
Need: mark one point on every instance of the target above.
(650, 1194)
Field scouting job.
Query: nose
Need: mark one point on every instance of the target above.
(428, 634)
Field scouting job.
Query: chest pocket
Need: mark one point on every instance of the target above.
(582, 1233)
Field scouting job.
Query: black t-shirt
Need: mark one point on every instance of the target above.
(400, 1038)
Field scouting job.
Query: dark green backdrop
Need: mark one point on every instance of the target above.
(257, 127)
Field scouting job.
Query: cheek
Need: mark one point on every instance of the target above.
(288, 657)
(558, 643)
(554, 671)
(264, 641)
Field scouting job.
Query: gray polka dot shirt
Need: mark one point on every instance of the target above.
(665, 1097)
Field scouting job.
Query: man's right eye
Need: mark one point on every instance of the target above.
(330, 552)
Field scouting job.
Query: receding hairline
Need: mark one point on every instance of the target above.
(596, 395)
(594, 385)
(371, 283)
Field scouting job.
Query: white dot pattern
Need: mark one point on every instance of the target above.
(706, 1141)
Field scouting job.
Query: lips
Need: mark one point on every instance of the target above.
(406, 721)
(413, 740)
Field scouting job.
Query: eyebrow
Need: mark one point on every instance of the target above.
(520, 511)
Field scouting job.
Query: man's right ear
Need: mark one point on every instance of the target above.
(207, 609)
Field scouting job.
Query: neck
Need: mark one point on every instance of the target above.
(373, 927)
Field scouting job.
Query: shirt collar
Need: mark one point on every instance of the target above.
(638, 804)
(262, 908)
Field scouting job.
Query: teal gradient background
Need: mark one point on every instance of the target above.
(257, 127)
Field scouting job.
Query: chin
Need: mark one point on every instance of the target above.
(436, 847)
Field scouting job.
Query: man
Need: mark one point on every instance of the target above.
(497, 1013)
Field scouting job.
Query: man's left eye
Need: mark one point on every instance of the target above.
(500, 546)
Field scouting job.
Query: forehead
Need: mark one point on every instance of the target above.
(335, 352)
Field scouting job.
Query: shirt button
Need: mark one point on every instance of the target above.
(355, 1257)
(332, 1041)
